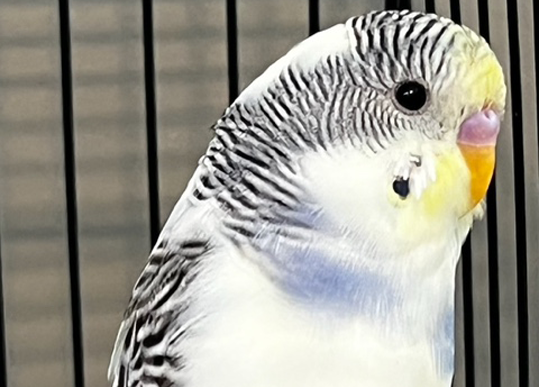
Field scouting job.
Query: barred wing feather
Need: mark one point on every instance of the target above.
(146, 349)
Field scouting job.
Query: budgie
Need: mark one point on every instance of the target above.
(317, 241)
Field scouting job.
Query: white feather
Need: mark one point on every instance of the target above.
(252, 335)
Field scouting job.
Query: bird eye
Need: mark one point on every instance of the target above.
(411, 95)
(401, 187)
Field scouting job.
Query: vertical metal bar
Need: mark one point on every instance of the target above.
(520, 191)
(314, 16)
(535, 6)
(3, 357)
(232, 40)
(71, 191)
(455, 11)
(430, 6)
(530, 51)
(151, 119)
(398, 4)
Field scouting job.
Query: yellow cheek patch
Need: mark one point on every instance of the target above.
(444, 200)
(451, 190)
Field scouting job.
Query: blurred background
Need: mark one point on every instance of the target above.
(497, 297)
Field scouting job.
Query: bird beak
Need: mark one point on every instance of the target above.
(477, 142)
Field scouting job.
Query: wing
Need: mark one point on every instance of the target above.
(146, 348)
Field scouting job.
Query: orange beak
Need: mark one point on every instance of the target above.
(477, 142)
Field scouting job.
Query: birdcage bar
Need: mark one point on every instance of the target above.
(492, 229)
(398, 4)
(534, 32)
(468, 315)
(3, 357)
(151, 119)
(314, 16)
(71, 191)
(232, 49)
(520, 186)
(533, 293)
(430, 6)
(454, 6)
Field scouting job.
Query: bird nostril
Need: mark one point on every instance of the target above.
(489, 114)
(401, 187)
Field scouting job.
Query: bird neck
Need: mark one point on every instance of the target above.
(337, 276)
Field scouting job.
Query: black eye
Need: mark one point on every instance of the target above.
(401, 187)
(411, 95)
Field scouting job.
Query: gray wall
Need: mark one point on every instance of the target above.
(192, 91)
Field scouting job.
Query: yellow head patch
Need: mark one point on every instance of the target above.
(483, 79)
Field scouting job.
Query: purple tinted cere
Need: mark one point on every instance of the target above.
(481, 129)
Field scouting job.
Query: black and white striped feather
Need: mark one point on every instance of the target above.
(144, 352)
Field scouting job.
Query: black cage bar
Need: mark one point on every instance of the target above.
(151, 119)
(71, 192)
(3, 360)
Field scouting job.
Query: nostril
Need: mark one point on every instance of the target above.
(492, 116)
(401, 187)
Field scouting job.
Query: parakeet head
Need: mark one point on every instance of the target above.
(388, 122)
(430, 96)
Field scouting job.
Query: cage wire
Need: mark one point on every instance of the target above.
(497, 294)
